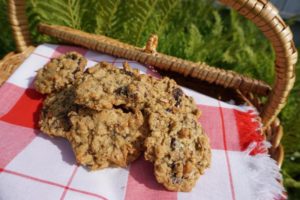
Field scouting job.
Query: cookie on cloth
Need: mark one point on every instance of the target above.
(111, 115)
(106, 138)
(178, 148)
(167, 95)
(54, 120)
(104, 86)
(59, 72)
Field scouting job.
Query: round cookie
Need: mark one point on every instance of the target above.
(54, 119)
(59, 72)
(178, 148)
(167, 95)
(104, 86)
(110, 137)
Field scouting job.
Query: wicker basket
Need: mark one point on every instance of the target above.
(206, 79)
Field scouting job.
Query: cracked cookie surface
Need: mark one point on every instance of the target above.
(54, 119)
(178, 148)
(104, 86)
(59, 72)
(168, 96)
(110, 137)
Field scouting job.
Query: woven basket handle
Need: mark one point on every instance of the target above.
(265, 16)
(260, 12)
(19, 24)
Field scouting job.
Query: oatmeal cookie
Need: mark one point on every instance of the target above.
(178, 148)
(167, 95)
(104, 86)
(59, 72)
(110, 137)
(54, 119)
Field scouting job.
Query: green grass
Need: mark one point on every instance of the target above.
(193, 30)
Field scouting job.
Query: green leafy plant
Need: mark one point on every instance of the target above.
(6, 40)
(194, 30)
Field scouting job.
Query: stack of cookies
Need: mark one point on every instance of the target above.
(111, 116)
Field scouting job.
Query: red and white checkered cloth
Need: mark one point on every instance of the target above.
(35, 166)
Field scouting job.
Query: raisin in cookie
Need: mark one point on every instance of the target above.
(167, 95)
(110, 137)
(178, 148)
(59, 72)
(54, 119)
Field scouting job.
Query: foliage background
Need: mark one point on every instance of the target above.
(194, 30)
